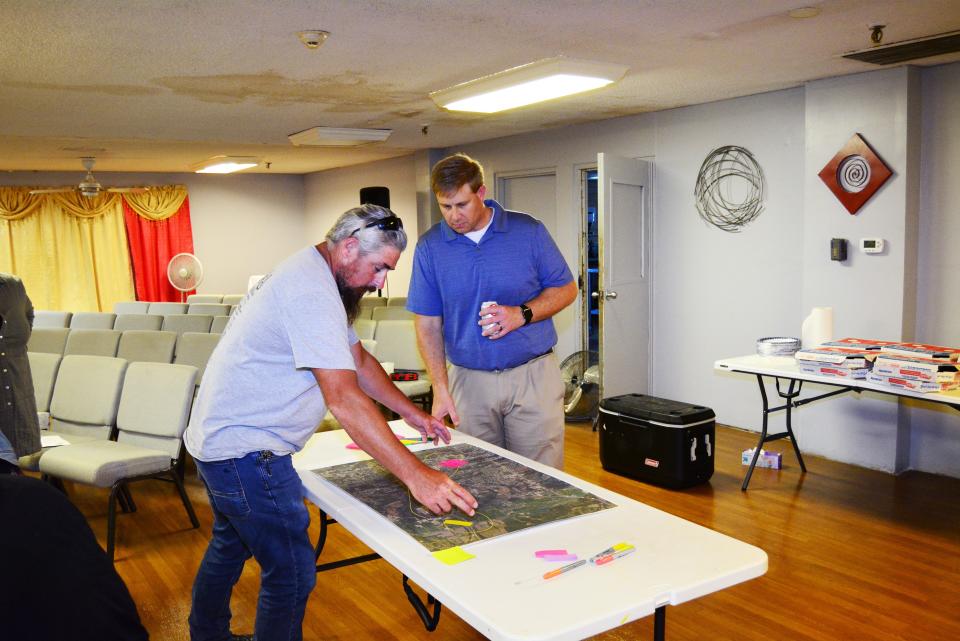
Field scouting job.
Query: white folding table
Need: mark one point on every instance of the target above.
(501, 592)
(785, 368)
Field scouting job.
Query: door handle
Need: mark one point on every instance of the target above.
(610, 295)
(595, 295)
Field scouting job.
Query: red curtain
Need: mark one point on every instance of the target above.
(152, 245)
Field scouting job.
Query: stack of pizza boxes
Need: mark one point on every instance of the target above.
(917, 367)
(850, 358)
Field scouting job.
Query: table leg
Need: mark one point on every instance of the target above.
(429, 620)
(793, 439)
(660, 623)
(763, 435)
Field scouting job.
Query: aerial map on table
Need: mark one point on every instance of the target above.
(511, 496)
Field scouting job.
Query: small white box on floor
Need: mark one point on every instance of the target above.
(772, 460)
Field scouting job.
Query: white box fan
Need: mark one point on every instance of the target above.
(185, 273)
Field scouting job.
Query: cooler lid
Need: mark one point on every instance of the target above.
(652, 408)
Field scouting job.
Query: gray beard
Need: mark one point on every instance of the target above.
(351, 297)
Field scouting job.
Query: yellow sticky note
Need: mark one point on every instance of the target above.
(452, 556)
(456, 522)
(620, 547)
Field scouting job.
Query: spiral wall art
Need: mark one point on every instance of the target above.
(855, 173)
(730, 187)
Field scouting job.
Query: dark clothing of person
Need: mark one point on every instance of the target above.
(18, 405)
(57, 581)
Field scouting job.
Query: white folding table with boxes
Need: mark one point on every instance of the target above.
(501, 592)
(785, 368)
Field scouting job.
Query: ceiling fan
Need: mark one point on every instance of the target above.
(90, 186)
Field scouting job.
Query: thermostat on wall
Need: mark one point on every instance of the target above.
(871, 245)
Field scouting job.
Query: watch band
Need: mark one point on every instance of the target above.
(527, 314)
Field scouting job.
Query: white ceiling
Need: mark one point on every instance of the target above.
(159, 85)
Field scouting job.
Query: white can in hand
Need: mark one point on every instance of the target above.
(483, 305)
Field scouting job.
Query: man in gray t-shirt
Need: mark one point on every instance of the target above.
(288, 354)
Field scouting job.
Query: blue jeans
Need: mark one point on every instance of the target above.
(258, 511)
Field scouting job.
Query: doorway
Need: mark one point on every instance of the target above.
(589, 262)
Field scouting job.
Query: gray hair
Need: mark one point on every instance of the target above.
(354, 222)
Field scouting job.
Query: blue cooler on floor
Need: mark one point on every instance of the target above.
(657, 440)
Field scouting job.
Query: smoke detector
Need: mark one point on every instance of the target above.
(313, 38)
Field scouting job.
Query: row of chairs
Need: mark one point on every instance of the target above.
(380, 308)
(106, 342)
(126, 317)
(226, 299)
(188, 348)
(123, 422)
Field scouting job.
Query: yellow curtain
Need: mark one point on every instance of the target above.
(159, 203)
(70, 251)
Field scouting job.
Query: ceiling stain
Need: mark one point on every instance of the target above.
(112, 90)
(342, 92)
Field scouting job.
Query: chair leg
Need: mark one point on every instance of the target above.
(112, 520)
(128, 497)
(183, 497)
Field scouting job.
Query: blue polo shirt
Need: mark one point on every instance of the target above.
(514, 261)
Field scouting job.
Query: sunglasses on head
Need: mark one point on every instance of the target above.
(390, 223)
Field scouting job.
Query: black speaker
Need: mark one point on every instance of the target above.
(375, 196)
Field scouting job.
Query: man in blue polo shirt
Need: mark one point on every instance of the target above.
(503, 384)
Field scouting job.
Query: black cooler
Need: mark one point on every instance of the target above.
(657, 440)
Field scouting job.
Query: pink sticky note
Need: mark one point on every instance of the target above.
(453, 463)
(559, 557)
(542, 553)
(353, 446)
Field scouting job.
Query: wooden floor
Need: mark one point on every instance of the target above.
(854, 554)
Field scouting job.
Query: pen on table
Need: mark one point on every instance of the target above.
(614, 555)
(609, 550)
(566, 568)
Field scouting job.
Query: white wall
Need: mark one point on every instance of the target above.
(330, 193)
(243, 224)
(935, 438)
(871, 295)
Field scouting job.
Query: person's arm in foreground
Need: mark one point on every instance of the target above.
(366, 426)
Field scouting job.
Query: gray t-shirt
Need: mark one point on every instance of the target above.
(258, 392)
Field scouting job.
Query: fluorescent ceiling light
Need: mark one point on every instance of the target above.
(528, 84)
(226, 164)
(338, 137)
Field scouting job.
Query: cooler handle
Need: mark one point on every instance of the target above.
(693, 449)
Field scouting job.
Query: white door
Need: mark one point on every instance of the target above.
(535, 192)
(624, 292)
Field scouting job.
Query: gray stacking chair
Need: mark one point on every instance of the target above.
(195, 348)
(219, 324)
(43, 371)
(391, 313)
(154, 409)
(164, 309)
(151, 346)
(373, 301)
(232, 299)
(397, 344)
(138, 321)
(92, 342)
(204, 298)
(397, 301)
(84, 404)
(93, 320)
(131, 307)
(43, 318)
(181, 323)
(209, 309)
(50, 340)
(364, 327)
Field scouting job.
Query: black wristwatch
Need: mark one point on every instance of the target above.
(527, 314)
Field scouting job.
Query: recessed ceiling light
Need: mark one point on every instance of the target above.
(225, 164)
(338, 137)
(805, 12)
(528, 84)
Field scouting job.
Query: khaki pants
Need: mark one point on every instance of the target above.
(519, 409)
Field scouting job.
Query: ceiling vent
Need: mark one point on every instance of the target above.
(908, 49)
